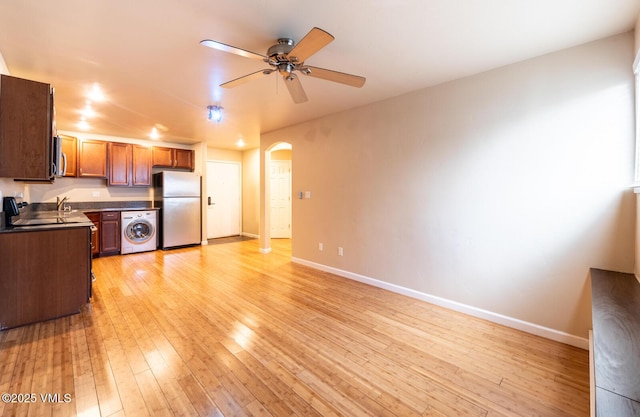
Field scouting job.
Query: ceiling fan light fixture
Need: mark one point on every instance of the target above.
(215, 113)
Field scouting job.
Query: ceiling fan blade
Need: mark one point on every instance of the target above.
(231, 49)
(247, 78)
(335, 76)
(312, 42)
(295, 88)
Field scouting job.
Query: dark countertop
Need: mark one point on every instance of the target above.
(53, 223)
(34, 210)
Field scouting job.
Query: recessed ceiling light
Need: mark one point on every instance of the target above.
(240, 143)
(154, 133)
(96, 94)
(83, 125)
(88, 110)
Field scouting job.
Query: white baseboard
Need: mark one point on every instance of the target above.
(514, 323)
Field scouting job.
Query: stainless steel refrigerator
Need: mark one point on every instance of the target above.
(177, 195)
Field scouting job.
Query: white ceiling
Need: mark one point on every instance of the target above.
(146, 54)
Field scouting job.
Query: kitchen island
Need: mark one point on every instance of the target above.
(45, 271)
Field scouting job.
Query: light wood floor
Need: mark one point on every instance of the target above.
(222, 330)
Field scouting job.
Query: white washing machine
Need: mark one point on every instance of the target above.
(139, 231)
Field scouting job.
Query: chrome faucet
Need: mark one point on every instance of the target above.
(59, 202)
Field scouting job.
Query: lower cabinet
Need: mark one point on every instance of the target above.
(56, 284)
(95, 233)
(110, 233)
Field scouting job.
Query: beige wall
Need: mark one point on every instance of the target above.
(637, 247)
(637, 35)
(216, 154)
(251, 192)
(3, 66)
(495, 193)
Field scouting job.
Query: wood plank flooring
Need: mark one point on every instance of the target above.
(222, 330)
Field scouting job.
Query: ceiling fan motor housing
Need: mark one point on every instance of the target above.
(279, 53)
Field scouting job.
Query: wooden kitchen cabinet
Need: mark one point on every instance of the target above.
(183, 159)
(70, 152)
(45, 274)
(95, 233)
(119, 164)
(110, 233)
(26, 125)
(162, 157)
(172, 158)
(129, 165)
(92, 158)
(141, 166)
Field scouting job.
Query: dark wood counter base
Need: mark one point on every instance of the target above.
(44, 274)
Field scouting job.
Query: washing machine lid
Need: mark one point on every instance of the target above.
(139, 231)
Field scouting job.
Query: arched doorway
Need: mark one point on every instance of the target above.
(280, 191)
(277, 195)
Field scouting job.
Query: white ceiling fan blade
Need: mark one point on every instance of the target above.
(335, 76)
(295, 88)
(231, 49)
(247, 78)
(312, 42)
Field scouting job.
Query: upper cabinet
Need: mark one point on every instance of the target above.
(69, 155)
(141, 166)
(119, 156)
(129, 165)
(172, 158)
(26, 129)
(183, 159)
(92, 158)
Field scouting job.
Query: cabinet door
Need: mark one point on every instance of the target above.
(92, 158)
(45, 274)
(183, 159)
(95, 234)
(110, 233)
(25, 129)
(162, 157)
(141, 168)
(70, 152)
(119, 164)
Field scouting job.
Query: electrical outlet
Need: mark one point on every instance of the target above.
(340, 251)
(320, 246)
(96, 194)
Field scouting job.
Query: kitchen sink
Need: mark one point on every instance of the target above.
(35, 218)
(52, 214)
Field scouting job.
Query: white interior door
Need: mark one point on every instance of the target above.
(280, 199)
(223, 199)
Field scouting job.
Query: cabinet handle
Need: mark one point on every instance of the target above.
(64, 170)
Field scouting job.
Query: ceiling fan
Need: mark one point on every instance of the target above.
(287, 58)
